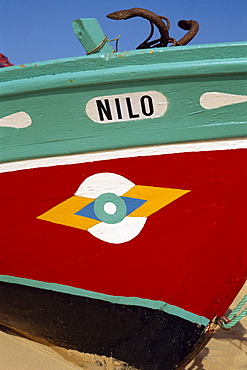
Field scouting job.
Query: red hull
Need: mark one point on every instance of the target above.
(191, 253)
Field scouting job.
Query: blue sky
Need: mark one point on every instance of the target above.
(37, 30)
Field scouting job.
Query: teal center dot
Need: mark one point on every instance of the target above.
(120, 209)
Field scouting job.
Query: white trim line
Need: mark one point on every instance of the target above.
(125, 153)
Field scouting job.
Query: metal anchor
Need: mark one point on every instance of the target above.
(157, 20)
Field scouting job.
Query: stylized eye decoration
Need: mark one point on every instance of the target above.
(110, 207)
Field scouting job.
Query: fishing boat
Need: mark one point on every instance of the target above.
(123, 197)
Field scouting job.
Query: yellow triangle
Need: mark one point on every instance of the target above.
(157, 198)
(64, 213)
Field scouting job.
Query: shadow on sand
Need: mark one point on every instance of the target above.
(236, 336)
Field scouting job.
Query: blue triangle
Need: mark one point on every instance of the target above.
(132, 204)
(88, 211)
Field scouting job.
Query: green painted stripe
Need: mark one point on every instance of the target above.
(132, 301)
(60, 125)
(122, 74)
(188, 53)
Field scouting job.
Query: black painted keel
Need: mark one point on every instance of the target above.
(145, 338)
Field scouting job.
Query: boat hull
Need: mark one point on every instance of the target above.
(136, 298)
(123, 197)
(141, 337)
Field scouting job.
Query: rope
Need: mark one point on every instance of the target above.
(100, 46)
(235, 316)
(103, 42)
(116, 39)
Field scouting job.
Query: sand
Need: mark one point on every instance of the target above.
(227, 350)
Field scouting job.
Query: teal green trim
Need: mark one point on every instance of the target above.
(121, 74)
(55, 95)
(189, 53)
(91, 36)
(132, 301)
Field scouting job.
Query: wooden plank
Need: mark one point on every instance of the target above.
(91, 36)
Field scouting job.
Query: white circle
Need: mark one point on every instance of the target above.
(110, 208)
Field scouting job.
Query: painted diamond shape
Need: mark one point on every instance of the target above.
(111, 207)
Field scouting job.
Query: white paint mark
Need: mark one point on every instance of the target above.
(101, 183)
(127, 107)
(212, 100)
(121, 232)
(200, 146)
(16, 120)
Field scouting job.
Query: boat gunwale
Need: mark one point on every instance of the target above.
(159, 63)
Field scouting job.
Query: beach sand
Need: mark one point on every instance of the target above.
(227, 350)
